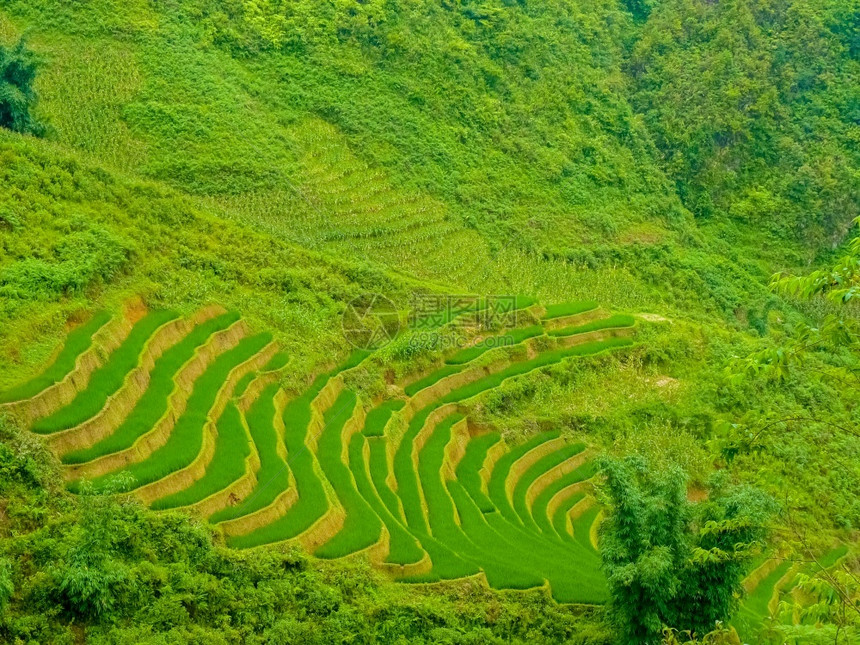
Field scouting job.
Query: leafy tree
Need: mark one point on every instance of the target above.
(17, 97)
(670, 562)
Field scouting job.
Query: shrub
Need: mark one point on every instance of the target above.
(6, 586)
(669, 562)
(17, 96)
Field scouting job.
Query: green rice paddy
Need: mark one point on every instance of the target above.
(568, 309)
(186, 440)
(497, 488)
(468, 470)
(79, 340)
(312, 502)
(273, 478)
(543, 465)
(106, 380)
(539, 507)
(503, 339)
(374, 424)
(362, 526)
(153, 404)
(434, 377)
(612, 322)
(441, 529)
(228, 463)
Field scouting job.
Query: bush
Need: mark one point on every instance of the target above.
(6, 586)
(17, 96)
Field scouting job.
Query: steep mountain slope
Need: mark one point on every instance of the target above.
(276, 160)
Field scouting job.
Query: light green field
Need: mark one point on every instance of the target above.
(77, 342)
(106, 380)
(461, 529)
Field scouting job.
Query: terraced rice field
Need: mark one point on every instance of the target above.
(191, 411)
(776, 580)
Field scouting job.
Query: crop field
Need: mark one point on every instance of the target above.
(773, 592)
(192, 412)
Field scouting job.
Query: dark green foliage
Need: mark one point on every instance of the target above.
(17, 96)
(669, 562)
(7, 587)
(558, 148)
(753, 106)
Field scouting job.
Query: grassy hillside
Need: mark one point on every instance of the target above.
(278, 159)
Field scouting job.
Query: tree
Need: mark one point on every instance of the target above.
(17, 97)
(830, 595)
(672, 563)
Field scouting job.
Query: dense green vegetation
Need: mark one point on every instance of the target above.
(17, 94)
(670, 562)
(660, 160)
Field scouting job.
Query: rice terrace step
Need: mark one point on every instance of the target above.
(191, 411)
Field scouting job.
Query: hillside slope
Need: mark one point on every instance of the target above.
(276, 160)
